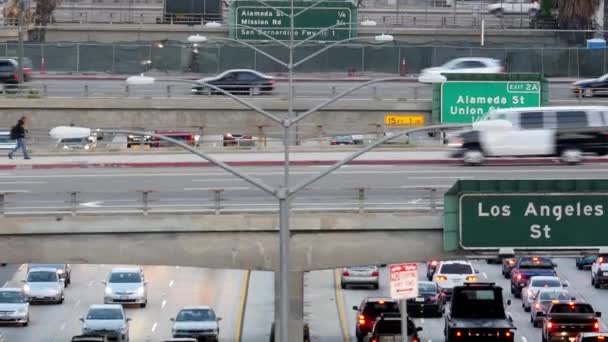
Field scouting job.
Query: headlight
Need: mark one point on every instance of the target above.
(22, 310)
(26, 288)
(60, 271)
(108, 291)
(65, 147)
(197, 137)
(86, 147)
(140, 291)
(123, 328)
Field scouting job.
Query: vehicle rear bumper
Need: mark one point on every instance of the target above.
(129, 300)
(603, 280)
(359, 280)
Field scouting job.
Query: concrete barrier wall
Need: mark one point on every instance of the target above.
(213, 116)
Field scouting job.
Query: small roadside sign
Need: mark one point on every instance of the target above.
(404, 281)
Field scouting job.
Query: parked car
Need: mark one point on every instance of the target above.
(237, 82)
(126, 285)
(591, 87)
(14, 307)
(198, 322)
(43, 285)
(360, 275)
(501, 7)
(63, 270)
(106, 320)
(585, 262)
(466, 65)
(231, 139)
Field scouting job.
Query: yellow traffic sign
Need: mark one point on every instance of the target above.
(393, 119)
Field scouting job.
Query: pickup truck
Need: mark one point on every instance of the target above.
(564, 321)
(478, 314)
(599, 271)
(528, 267)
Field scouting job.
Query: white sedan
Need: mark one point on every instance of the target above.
(537, 283)
(467, 65)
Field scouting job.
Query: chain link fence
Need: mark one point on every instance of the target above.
(352, 59)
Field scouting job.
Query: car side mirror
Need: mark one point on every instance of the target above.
(598, 314)
(24, 281)
(476, 271)
(418, 328)
(508, 302)
(355, 308)
(146, 282)
(128, 319)
(573, 298)
(565, 284)
(81, 319)
(219, 319)
(172, 319)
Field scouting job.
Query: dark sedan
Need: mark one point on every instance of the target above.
(585, 261)
(591, 87)
(430, 301)
(507, 266)
(236, 82)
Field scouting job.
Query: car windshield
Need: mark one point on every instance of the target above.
(427, 288)
(12, 297)
(55, 266)
(125, 277)
(374, 309)
(545, 283)
(551, 295)
(535, 263)
(104, 313)
(456, 269)
(195, 315)
(571, 308)
(42, 277)
(73, 141)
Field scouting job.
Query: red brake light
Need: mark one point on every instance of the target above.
(549, 325)
(345, 273)
(596, 326)
(601, 338)
(458, 333)
(600, 260)
(511, 262)
(375, 274)
(508, 334)
(415, 339)
(361, 320)
(519, 277)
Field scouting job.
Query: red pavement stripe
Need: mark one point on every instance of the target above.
(492, 162)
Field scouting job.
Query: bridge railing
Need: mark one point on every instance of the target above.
(222, 201)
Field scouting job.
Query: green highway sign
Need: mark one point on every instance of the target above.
(467, 101)
(251, 21)
(533, 220)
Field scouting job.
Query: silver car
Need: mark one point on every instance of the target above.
(106, 320)
(14, 306)
(360, 275)
(198, 322)
(126, 285)
(43, 285)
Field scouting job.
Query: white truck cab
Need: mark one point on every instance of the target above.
(599, 269)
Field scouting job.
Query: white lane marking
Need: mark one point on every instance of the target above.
(524, 339)
(6, 283)
(22, 267)
(162, 305)
(23, 182)
(217, 180)
(442, 177)
(224, 188)
(91, 204)
(171, 283)
(62, 327)
(177, 267)
(154, 327)
(484, 275)
(77, 302)
(20, 191)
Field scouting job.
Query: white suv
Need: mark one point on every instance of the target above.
(466, 65)
(599, 270)
(126, 285)
(503, 7)
(454, 273)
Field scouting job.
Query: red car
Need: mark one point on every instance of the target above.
(186, 137)
(231, 139)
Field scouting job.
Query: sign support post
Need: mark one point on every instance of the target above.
(404, 285)
(403, 308)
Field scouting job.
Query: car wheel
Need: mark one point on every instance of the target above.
(588, 92)
(571, 156)
(26, 323)
(255, 91)
(527, 309)
(472, 157)
(343, 286)
(143, 305)
(60, 301)
(597, 284)
(592, 280)
(512, 290)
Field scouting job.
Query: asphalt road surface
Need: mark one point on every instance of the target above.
(328, 309)
(392, 90)
(386, 186)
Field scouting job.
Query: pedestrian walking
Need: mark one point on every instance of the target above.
(18, 133)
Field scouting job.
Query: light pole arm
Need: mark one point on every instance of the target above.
(256, 49)
(316, 53)
(257, 109)
(293, 190)
(341, 95)
(259, 184)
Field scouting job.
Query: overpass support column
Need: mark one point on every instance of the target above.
(296, 306)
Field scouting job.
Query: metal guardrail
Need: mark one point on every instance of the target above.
(146, 202)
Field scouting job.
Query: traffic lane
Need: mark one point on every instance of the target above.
(432, 328)
(259, 309)
(7, 273)
(170, 289)
(320, 306)
(579, 285)
(521, 319)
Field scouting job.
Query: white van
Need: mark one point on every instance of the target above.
(565, 132)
